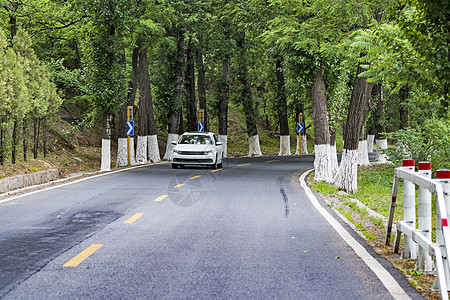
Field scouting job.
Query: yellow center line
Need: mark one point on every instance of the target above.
(160, 198)
(133, 218)
(272, 160)
(243, 165)
(74, 262)
(178, 185)
(196, 177)
(216, 170)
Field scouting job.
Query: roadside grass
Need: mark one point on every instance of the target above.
(374, 189)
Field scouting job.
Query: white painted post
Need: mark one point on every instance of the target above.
(424, 219)
(443, 176)
(370, 140)
(409, 210)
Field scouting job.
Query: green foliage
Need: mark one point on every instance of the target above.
(431, 142)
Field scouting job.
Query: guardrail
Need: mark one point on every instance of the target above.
(418, 241)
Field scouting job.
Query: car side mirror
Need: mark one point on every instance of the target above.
(174, 143)
(219, 144)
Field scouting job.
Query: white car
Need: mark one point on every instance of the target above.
(197, 148)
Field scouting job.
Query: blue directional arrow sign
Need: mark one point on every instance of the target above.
(201, 126)
(300, 127)
(130, 128)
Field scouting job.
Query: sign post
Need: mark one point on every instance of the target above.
(201, 120)
(130, 130)
(300, 130)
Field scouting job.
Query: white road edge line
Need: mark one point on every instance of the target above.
(385, 277)
(74, 181)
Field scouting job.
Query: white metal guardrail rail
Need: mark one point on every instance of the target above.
(418, 241)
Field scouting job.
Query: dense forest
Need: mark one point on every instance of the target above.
(373, 69)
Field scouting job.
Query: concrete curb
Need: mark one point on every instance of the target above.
(9, 184)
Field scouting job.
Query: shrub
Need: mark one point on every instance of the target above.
(431, 142)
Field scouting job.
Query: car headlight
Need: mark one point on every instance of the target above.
(175, 152)
(209, 153)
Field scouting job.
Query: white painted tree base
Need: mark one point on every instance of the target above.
(153, 149)
(381, 144)
(363, 154)
(334, 161)
(253, 146)
(141, 150)
(322, 163)
(169, 147)
(304, 144)
(370, 140)
(224, 140)
(346, 178)
(285, 145)
(122, 152)
(106, 155)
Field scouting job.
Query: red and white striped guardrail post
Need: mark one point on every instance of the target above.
(424, 218)
(409, 209)
(443, 177)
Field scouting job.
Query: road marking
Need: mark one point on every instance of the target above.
(243, 165)
(74, 262)
(178, 185)
(272, 160)
(133, 218)
(385, 277)
(196, 177)
(216, 170)
(160, 198)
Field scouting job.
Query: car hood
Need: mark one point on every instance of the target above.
(191, 147)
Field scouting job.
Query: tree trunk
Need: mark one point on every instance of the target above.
(122, 143)
(246, 97)
(152, 139)
(176, 111)
(13, 19)
(285, 147)
(144, 88)
(404, 110)
(223, 103)
(380, 127)
(106, 142)
(201, 88)
(24, 133)
(77, 55)
(357, 113)
(322, 161)
(44, 135)
(36, 137)
(191, 112)
(14, 142)
(2, 141)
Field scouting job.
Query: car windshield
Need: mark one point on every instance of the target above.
(196, 139)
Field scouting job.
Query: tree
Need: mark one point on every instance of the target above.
(282, 107)
(13, 90)
(346, 177)
(104, 63)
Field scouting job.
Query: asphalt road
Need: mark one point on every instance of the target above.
(247, 231)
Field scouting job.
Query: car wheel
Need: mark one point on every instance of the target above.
(221, 163)
(174, 166)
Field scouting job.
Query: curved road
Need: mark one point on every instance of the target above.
(247, 231)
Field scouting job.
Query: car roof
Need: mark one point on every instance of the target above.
(197, 133)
